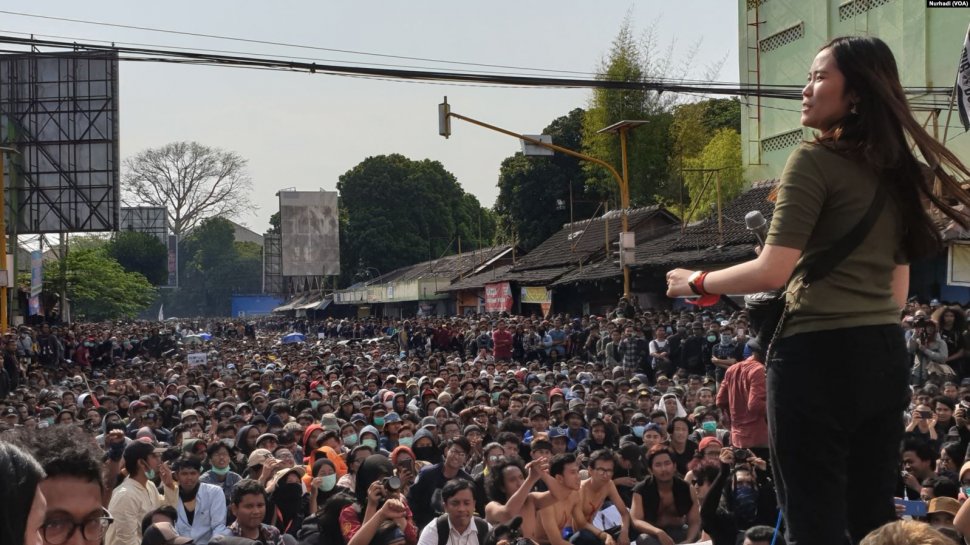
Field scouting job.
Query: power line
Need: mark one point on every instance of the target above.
(163, 55)
(130, 53)
(284, 44)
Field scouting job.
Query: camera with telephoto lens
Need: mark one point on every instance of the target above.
(392, 485)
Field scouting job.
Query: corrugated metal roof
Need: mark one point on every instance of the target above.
(478, 281)
(578, 241)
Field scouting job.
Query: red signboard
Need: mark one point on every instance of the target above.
(498, 297)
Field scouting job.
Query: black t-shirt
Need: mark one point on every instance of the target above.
(681, 460)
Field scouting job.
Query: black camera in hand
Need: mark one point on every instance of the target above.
(741, 455)
(510, 532)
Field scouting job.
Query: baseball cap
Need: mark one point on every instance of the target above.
(266, 436)
(163, 533)
(140, 450)
(258, 457)
(188, 413)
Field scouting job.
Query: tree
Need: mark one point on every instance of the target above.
(142, 253)
(649, 146)
(532, 188)
(98, 287)
(722, 153)
(214, 267)
(694, 125)
(401, 211)
(192, 181)
(274, 223)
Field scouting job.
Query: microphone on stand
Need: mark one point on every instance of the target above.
(758, 225)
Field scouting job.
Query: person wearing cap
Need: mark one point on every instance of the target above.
(201, 507)
(136, 495)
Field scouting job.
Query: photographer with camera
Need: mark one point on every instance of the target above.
(742, 496)
(380, 516)
(929, 352)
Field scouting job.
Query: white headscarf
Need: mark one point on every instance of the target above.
(661, 406)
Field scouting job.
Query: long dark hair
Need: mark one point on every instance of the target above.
(19, 476)
(875, 132)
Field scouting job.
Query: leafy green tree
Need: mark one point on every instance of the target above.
(400, 211)
(722, 153)
(142, 253)
(98, 287)
(215, 267)
(274, 223)
(648, 145)
(533, 200)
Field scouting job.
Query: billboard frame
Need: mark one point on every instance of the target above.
(60, 111)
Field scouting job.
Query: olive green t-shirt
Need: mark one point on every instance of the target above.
(821, 197)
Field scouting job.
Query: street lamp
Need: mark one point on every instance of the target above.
(444, 129)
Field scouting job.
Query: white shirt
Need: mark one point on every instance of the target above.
(429, 535)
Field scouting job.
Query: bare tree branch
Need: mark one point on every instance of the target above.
(193, 182)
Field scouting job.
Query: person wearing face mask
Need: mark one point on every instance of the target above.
(324, 485)
(370, 437)
(725, 353)
(748, 500)
(695, 352)
(136, 495)
(348, 436)
(288, 500)
(221, 474)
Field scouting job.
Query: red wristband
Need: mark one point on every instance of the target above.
(700, 283)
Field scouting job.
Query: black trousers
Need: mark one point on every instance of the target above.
(835, 404)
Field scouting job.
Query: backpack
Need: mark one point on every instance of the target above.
(444, 531)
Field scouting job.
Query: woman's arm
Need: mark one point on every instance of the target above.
(768, 271)
(900, 284)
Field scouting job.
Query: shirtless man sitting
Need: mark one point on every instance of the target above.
(593, 492)
(510, 486)
(664, 506)
(555, 518)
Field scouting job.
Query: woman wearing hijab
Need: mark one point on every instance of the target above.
(246, 442)
(380, 516)
(323, 485)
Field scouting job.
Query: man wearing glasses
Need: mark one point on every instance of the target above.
(594, 524)
(75, 514)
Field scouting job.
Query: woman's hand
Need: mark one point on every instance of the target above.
(677, 283)
(375, 492)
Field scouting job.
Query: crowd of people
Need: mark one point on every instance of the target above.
(637, 426)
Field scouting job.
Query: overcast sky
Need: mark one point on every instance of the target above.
(303, 131)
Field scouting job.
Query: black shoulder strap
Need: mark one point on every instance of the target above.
(482, 527)
(829, 260)
(444, 529)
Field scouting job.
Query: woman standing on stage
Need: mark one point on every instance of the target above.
(835, 451)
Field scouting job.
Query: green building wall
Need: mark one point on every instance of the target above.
(925, 41)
